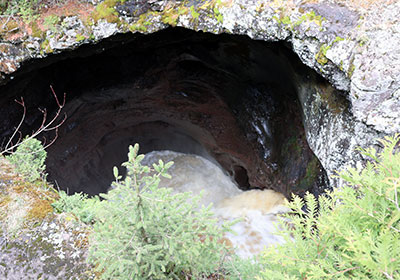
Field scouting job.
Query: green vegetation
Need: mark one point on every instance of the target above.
(106, 10)
(193, 12)
(146, 232)
(36, 31)
(310, 17)
(51, 22)
(172, 15)
(351, 70)
(142, 231)
(29, 159)
(45, 47)
(80, 38)
(337, 39)
(8, 27)
(321, 55)
(78, 204)
(26, 9)
(351, 233)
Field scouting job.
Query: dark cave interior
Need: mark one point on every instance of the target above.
(227, 98)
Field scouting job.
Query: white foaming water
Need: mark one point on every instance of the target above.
(257, 208)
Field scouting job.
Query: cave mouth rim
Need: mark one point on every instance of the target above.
(114, 40)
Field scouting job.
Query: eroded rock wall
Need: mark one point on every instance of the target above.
(352, 44)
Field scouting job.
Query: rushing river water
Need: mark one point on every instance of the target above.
(257, 208)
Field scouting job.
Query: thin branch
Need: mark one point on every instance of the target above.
(387, 275)
(9, 148)
(345, 270)
(7, 21)
(45, 126)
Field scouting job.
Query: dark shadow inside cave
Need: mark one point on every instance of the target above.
(227, 98)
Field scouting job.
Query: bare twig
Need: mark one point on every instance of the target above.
(9, 17)
(345, 270)
(387, 275)
(45, 126)
(7, 21)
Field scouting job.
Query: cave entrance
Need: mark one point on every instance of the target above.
(227, 98)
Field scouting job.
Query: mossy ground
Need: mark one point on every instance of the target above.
(34, 241)
(36, 197)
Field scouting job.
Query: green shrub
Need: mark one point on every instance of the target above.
(146, 232)
(27, 9)
(354, 234)
(51, 22)
(78, 204)
(237, 268)
(29, 159)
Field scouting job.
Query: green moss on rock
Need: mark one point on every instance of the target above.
(45, 47)
(106, 10)
(80, 38)
(9, 27)
(311, 174)
(310, 17)
(321, 55)
(37, 31)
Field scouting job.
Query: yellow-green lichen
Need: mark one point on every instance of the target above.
(143, 22)
(351, 70)
(321, 55)
(40, 209)
(137, 28)
(194, 13)
(341, 65)
(310, 17)
(45, 47)
(212, 7)
(218, 15)
(36, 30)
(23, 203)
(283, 19)
(337, 39)
(80, 37)
(172, 15)
(4, 200)
(106, 10)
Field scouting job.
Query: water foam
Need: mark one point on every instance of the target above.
(257, 209)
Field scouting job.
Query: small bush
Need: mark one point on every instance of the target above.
(237, 268)
(29, 159)
(78, 204)
(51, 22)
(27, 9)
(146, 232)
(354, 234)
